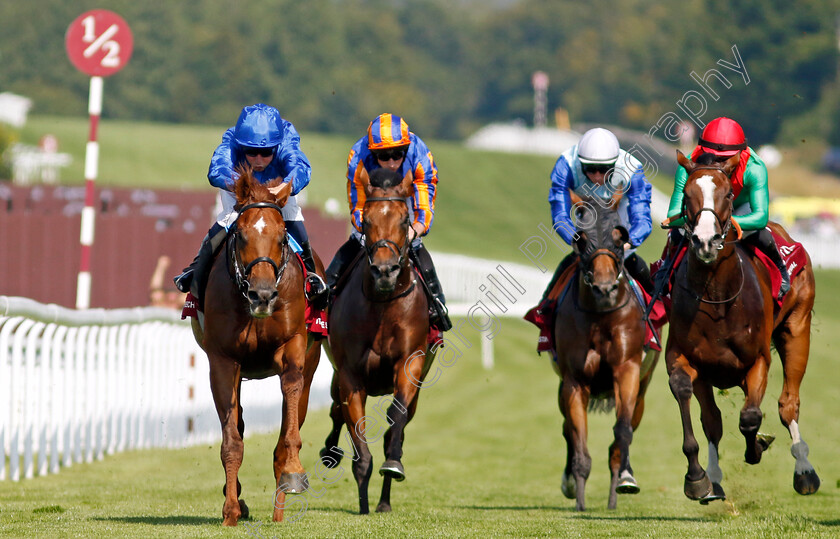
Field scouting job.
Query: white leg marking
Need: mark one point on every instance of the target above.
(794, 433)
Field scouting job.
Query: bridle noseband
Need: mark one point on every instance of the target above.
(242, 273)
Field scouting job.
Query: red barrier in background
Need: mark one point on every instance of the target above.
(39, 240)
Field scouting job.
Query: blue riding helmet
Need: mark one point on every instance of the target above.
(259, 126)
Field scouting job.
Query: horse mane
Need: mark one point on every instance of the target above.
(249, 190)
(706, 159)
(385, 178)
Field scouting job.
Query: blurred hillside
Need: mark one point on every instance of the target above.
(448, 67)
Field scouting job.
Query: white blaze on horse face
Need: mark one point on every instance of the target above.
(705, 228)
(260, 225)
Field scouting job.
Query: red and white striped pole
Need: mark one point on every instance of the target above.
(83, 282)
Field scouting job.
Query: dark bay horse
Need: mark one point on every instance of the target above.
(722, 325)
(254, 328)
(599, 334)
(378, 338)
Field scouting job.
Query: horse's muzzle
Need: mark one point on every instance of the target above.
(385, 277)
(261, 301)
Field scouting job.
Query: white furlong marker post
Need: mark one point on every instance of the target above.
(99, 43)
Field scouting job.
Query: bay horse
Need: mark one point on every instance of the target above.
(254, 327)
(379, 325)
(599, 336)
(722, 325)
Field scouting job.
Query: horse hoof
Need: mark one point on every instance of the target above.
(393, 469)
(293, 483)
(627, 485)
(806, 482)
(244, 508)
(764, 440)
(383, 508)
(329, 458)
(696, 490)
(716, 494)
(567, 486)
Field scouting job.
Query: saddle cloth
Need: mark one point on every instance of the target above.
(792, 253)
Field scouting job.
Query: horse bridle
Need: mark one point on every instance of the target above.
(587, 278)
(400, 251)
(241, 272)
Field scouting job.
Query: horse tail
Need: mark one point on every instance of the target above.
(603, 403)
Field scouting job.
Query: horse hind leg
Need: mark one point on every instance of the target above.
(793, 345)
(330, 454)
(751, 416)
(626, 388)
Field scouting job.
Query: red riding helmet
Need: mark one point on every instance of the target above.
(723, 137)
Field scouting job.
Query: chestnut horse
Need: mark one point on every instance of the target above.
(378, 338)
(599, 335)
(722, 325)
(254, 327)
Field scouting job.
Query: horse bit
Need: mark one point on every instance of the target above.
(242, 273)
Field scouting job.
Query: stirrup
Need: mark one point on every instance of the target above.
(317, 286)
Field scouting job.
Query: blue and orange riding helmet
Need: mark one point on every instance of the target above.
(387, 131)
(259, 126)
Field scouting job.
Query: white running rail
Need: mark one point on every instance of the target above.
(77, 385)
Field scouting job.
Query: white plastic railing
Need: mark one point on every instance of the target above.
(77, 385)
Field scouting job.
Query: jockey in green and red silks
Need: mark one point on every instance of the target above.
(723, 138)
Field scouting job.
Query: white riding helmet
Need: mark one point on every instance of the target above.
(598, 146)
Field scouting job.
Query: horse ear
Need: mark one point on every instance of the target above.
(731, 164)
(685, 162)
(620, 236)
(405, 184)
(242, 186)
(579, 241)
(283, 195)
(364, 179)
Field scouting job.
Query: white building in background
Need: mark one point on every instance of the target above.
(14, 108)
(519, 138)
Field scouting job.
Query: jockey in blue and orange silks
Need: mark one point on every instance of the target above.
(598, 168)
(270, 146)
(389, 144)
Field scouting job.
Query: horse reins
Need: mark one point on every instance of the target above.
(241, 273)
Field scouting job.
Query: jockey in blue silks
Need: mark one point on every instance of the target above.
(270, 146)
(597, 168)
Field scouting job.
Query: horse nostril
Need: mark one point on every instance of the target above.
(374, 271)
(253, 296)
(395, 268)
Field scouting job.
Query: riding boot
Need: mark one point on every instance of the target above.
(318, 293)
(763, 239)
(639, 270)
(193, 277)
(343, 257)
(439, 315)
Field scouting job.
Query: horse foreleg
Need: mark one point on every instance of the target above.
(353, 408)
(225, 380)
(392, 469)
(626, 390)
(680, 379)
(288, 471)
(755, 383)
(574, 398)
(712, 423)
